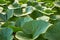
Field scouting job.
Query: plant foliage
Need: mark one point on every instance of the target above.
(29, 19)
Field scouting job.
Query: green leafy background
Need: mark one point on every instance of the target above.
(29, 19)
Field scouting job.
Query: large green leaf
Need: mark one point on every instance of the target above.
(23, 11)
(22, 36)
(36, 27)
(9, 13)
(53, 33)
(23, 20)
(6, 34)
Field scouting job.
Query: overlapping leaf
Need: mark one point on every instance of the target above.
(53, 33)
(21, 21)
(36, 27)
(6, 34)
